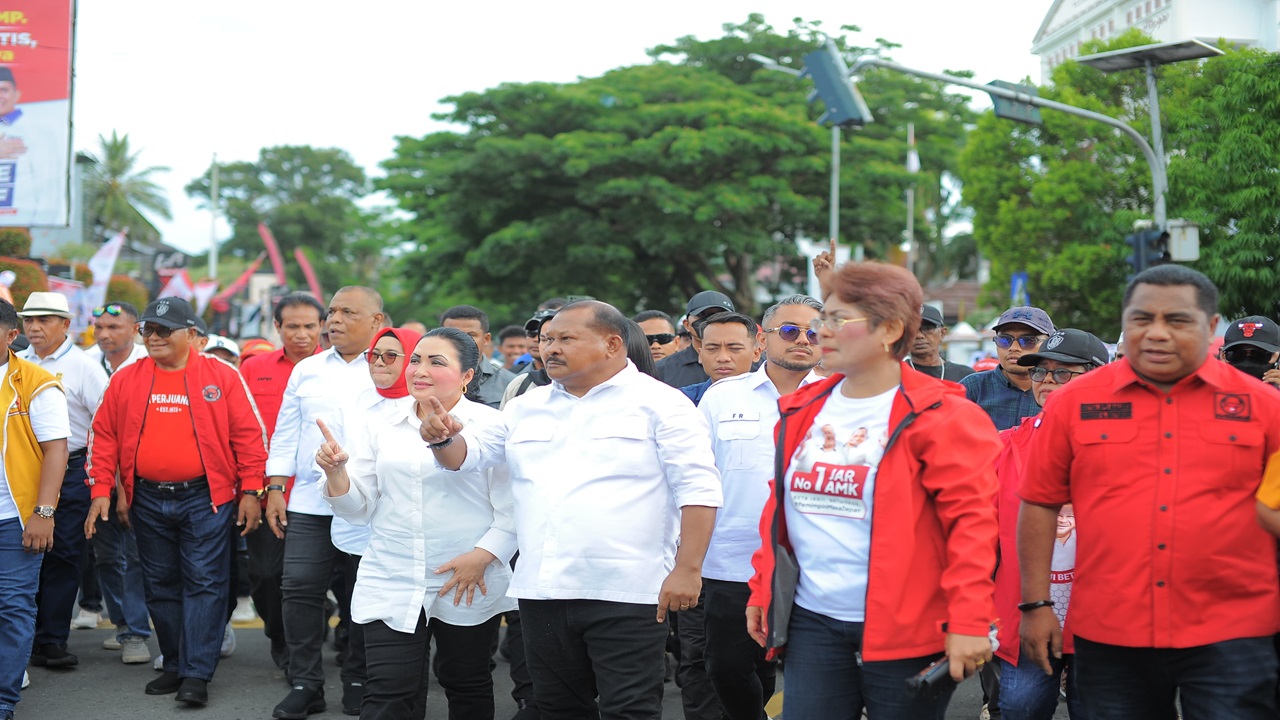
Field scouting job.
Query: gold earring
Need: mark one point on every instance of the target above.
(887, 349)
(464, 389)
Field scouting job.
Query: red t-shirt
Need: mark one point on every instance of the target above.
(267, 376)
(1169, 551)
(167, 449)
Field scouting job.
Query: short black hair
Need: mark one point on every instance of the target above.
(654, 315)
(8, 316)
(297, 299)
(510, 331)
(724, 318)
(466, 312)
(1171, 275)
(638, 349)
(125, 307)
(605, 318)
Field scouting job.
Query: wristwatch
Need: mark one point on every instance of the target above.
(274, 487)
(45, 511)
(256, 493)
(1029, 606)
(442, 444)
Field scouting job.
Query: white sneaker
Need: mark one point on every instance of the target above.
(26, 680)
(244, 612)
(228, 642)
(134, 651)
(158, 665)
(111, 643)
(86, 620)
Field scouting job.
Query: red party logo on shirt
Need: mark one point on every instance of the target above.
(212, 393)
(838, 480)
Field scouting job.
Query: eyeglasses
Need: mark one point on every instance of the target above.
(388, 357)
(113, 310)
(1061, 376)
(1026, 342)
(660, 338)
(148, 330)
(791, 333)
(1246, 353)
(832, 323)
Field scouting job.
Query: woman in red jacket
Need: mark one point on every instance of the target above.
(880, 533)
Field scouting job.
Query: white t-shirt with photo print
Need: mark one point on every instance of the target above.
(829, 502)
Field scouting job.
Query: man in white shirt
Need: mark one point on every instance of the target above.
(742, 412)
(46, 318)
(615, 496)
(115, 327)
(320, 387)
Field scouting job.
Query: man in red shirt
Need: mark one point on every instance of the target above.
(298, 318)
(1176, 591)
(182, 433)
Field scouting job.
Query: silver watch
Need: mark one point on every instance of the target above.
(45, 511)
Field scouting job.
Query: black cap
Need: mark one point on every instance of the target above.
(1070, 345)
(201, 328)
(534, 324)
(931, 316)
(708, 300)
(170, 312)
(1255, 330)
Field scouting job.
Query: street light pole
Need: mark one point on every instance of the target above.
(1158, 209)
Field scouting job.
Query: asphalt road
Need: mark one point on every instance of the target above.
(248, 685)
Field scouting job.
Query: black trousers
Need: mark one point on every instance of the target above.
(396, 665)
(61, 566)
(743, 679)
(266, 567)
(697, 694)
(352, 656)
(580, 648)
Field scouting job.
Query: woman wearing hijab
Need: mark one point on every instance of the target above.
(436, 565)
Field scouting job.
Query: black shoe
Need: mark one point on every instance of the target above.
(167, 683)
(300, 703)
(527, 711)
(194, 691)
(352, 697)
(53, 655)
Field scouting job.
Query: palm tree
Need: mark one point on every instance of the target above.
(116, 193)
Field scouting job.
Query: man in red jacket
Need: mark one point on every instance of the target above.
(184, 437)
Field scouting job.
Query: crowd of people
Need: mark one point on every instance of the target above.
(814, 501)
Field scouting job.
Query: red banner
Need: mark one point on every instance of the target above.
(273, 250)
(308, 272)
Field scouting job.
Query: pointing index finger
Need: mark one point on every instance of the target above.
(436, 406)
(324, 430)
(833, 250)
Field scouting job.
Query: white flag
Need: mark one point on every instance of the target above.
(102, 264)
(204, 292)
(179, 286)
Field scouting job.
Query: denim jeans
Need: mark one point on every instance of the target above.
(60, 571)
(1027, 693)
(743, 679)
(309, 561)
(581, 649)
(186, 561)
(825, 678)
(19, 573)
(120, 577)
(1232, 679)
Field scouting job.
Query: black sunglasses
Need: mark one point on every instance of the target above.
(148, 330)
(388, 357)
(1248, 352)
(791, 333)
(113, 310)
(1026, 342)
(660, 338)
(1062, 376)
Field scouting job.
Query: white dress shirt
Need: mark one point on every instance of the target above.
(321, 386)
(742, 412)
(83, 381)
(370, 409)
(421, 517)
(95, 354)
(598, 483)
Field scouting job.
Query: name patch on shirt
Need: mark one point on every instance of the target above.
(1230, 406)
(1106, 411)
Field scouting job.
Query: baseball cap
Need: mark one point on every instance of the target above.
(255, 346)
(1032, 317)
(931, 316)
(534, 324)
(1256, 330)
(708, 300)
(218, 341)
(170, 312)
(1070, 345)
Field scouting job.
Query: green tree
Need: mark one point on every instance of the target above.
(651, 182)
(306, 196)
(118, 194)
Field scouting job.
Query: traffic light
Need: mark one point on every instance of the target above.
(831, 82)
(1150, 248)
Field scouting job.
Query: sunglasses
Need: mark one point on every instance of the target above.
(660, 338)
(1243, 354)
(791, 333)
(148, 330)
(1026, 342)
(832, 323)
(388, 357)
(113, 310)
(1061, 376)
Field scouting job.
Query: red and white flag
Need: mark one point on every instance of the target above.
(179, 286)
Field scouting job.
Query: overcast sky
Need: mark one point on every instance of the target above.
(186, 80)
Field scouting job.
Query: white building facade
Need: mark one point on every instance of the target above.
(1071, 23)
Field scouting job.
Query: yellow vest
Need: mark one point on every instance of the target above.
(22, 382)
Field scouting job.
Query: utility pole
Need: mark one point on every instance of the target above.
(213, 218)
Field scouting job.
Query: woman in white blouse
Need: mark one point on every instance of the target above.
(436, 565)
